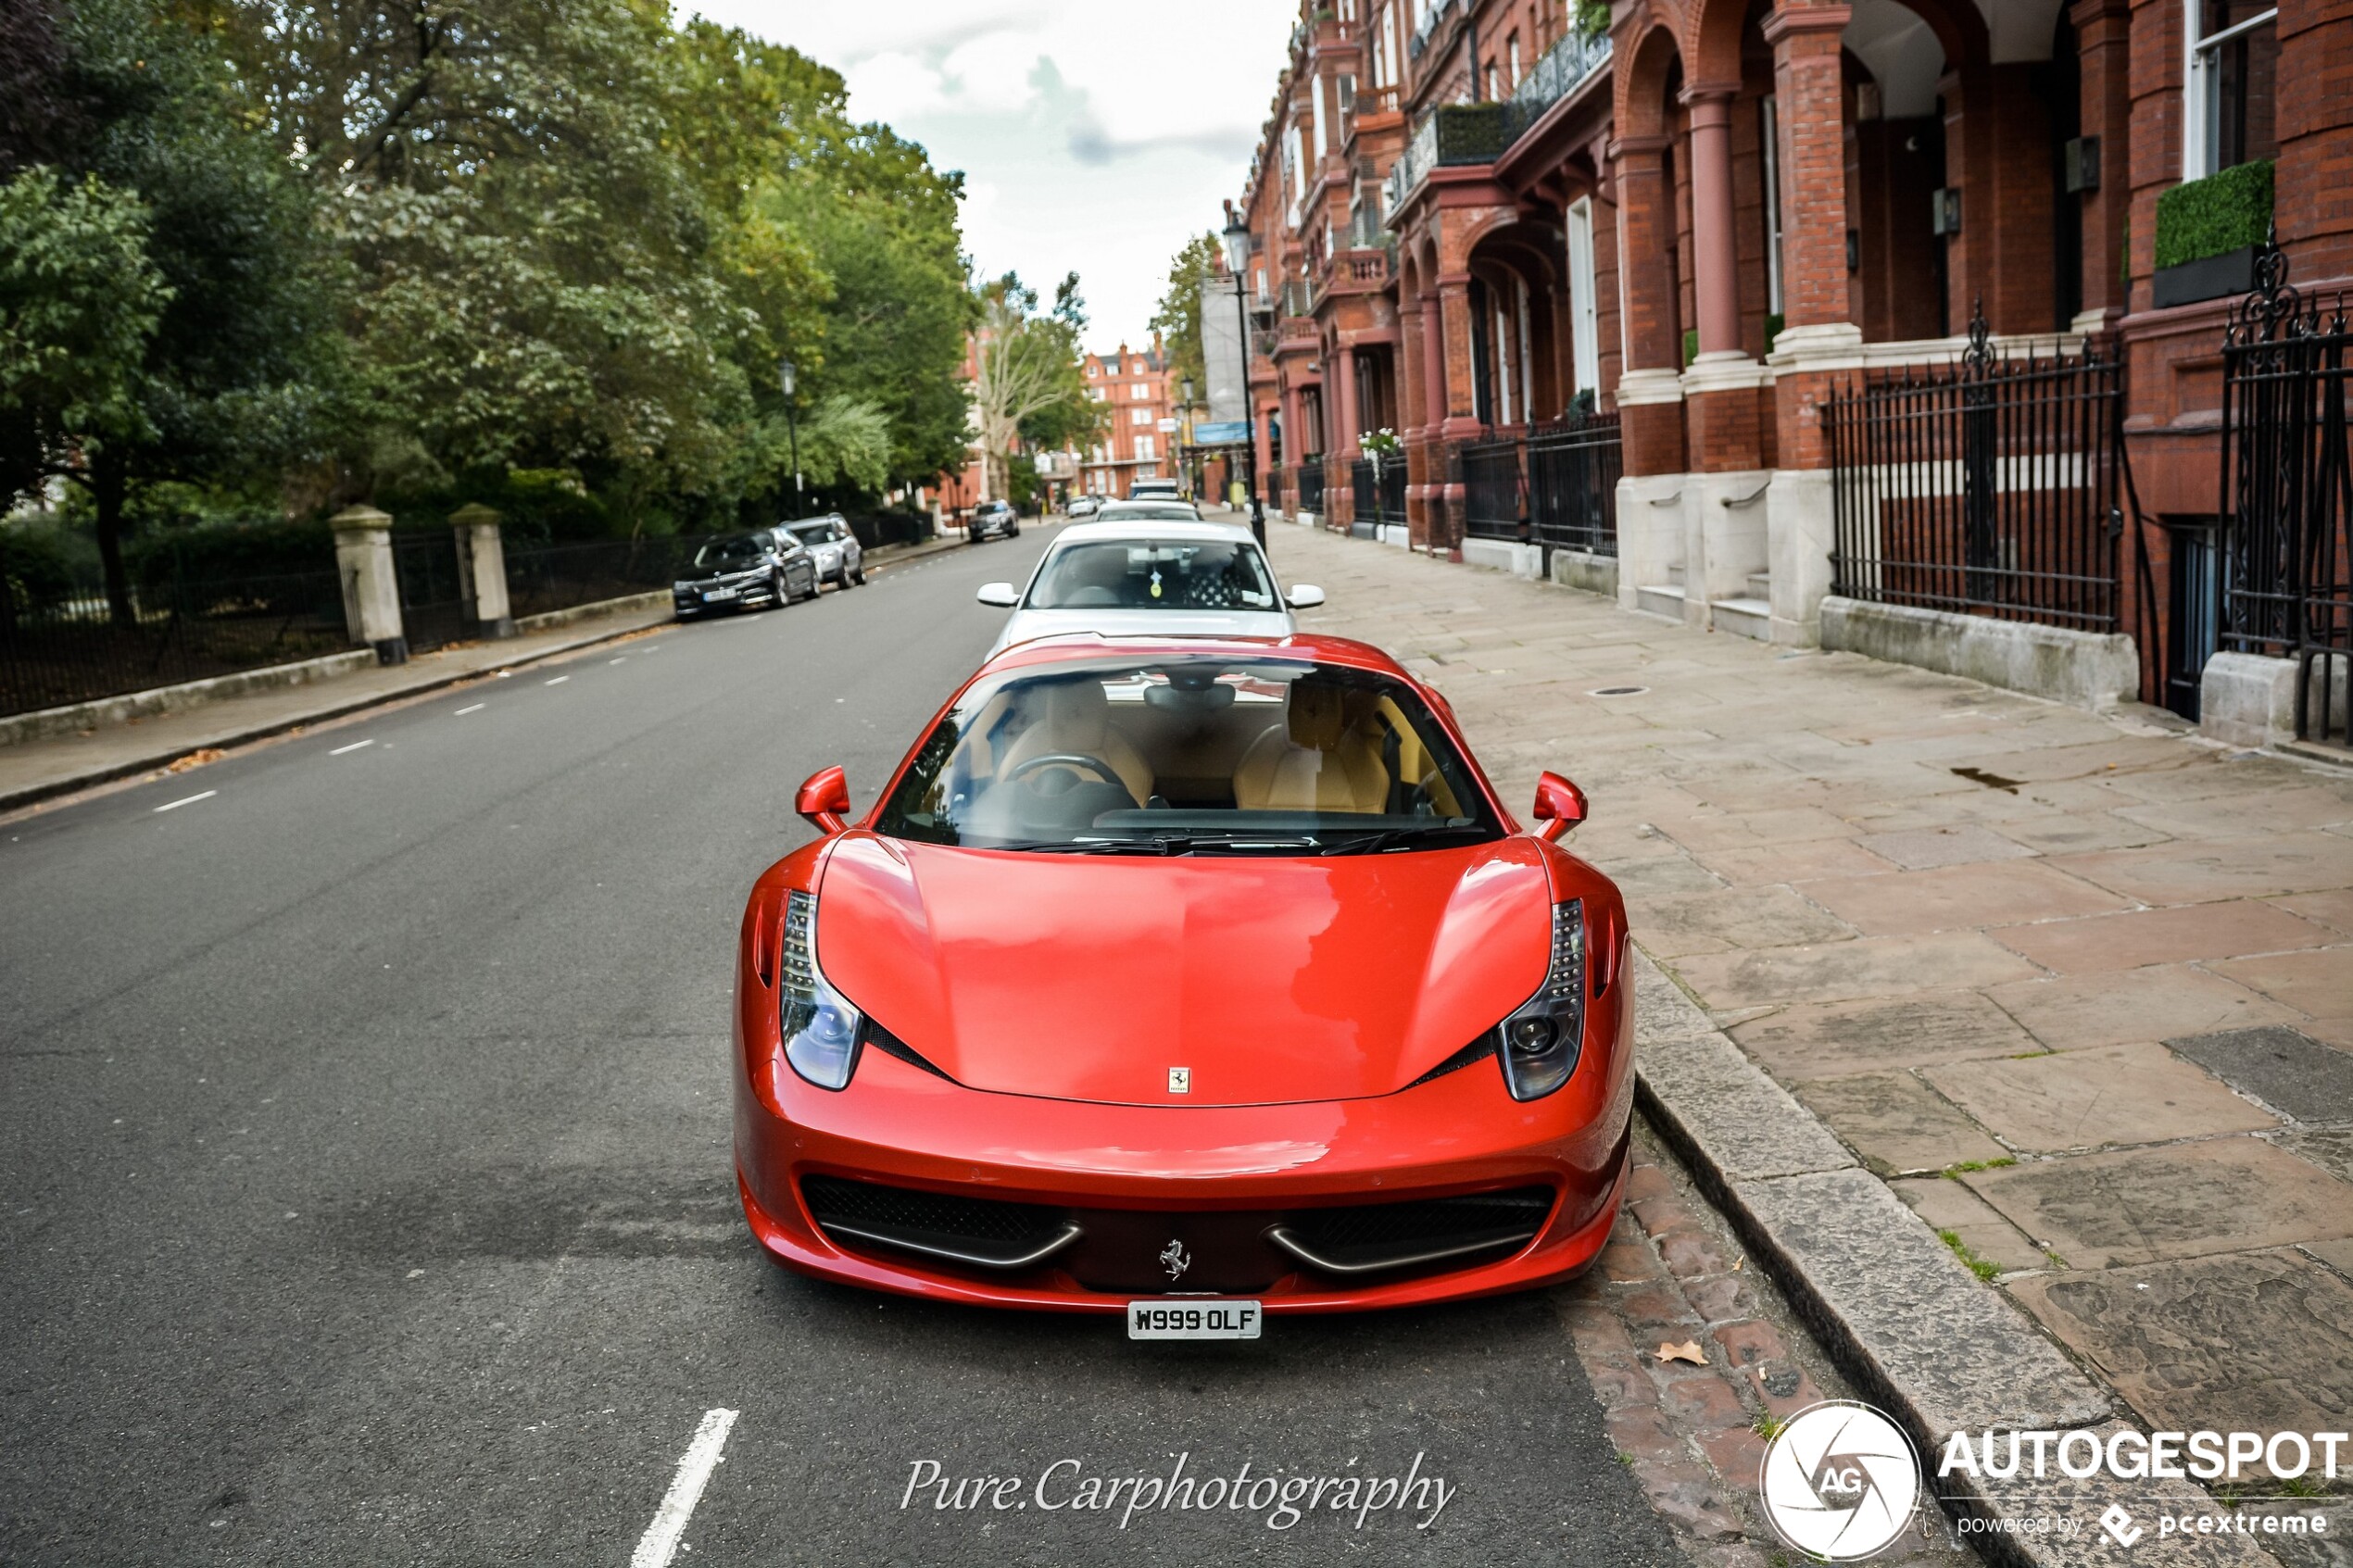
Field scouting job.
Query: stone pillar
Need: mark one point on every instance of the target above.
(370, 585)
(1716, 283)
(482, 571)
(2104, 40)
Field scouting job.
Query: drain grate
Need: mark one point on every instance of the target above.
(1617, 691)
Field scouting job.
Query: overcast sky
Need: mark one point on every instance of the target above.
(1093, 134)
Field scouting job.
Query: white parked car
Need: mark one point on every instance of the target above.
(1153, 577)
(834, 548)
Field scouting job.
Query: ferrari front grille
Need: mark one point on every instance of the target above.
(1374, 1237)
(989, 1232)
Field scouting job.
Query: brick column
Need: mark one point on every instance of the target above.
(1461, 422)
(2104, 54)
(1716, 285)
(1344, 438)
(1811, 113)
(1649, 395)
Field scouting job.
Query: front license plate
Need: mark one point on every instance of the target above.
(715, 595)
(1193, 1320)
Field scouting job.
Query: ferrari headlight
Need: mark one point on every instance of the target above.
(821, 1028)
(1539, 1044)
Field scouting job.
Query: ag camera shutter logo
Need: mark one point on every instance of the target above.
(1840, 1481)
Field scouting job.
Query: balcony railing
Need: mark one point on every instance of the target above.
(1563, 67)
(1455, 135)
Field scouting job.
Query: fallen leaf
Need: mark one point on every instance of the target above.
(1740, 1262)
(197, 758)
(1688, 1350)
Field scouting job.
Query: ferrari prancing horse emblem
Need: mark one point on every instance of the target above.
(1180, 1080)
(1174, 1259)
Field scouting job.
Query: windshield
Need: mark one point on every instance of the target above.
(721, 554)
(812, 533)
(1197, 755)
(1154, 574)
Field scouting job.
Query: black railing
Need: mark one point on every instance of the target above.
(544, 578)
(1988, 487)
(64, 645)
(1573, 468)
(432, 604)
(1308, 480)
(1494, 491)
(1380, 489)
(2286, 573)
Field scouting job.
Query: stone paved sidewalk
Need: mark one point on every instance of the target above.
(2078, 987)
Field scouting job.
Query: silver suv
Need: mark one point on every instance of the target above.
(834, 547)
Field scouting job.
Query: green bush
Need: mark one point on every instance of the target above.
(2214, 216)
(35, 570)
(222, 552)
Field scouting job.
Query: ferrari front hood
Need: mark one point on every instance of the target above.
(1258, 980)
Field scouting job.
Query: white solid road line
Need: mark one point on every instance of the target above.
(660, 1542)
(558, 681)
(475, 709)
(186, 800)
(354, 746)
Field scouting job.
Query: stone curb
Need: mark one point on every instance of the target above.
(49, 789)
(1923, 1338)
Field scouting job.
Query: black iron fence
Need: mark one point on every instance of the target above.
(1989, 486)
(1573, 468)
(65, 642)
(1380, 489)
(550, 577)
(1308, 483)
(1494, 491)
(2285, 574)
(432, 603)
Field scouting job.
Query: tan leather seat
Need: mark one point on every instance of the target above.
(1325, 757)
(1074, 717)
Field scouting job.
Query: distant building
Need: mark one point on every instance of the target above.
(1140, 440)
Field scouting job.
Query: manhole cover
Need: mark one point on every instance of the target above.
(1617, 691)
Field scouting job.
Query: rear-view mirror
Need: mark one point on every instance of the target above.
(1002, 594)
(1560, 804)
(825, 800)
(1304, 596)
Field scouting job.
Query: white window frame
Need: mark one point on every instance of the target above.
(1139, 415)
(1584, 308)
(1770, 109)
(1147, 449)
(2198, 102)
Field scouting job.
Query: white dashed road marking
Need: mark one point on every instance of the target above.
(660, 1542)
(475, 709)
(186, 800)
(558, 681)
(354, 746)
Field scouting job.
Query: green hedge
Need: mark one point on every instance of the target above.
(222, 552)
(2214, 216)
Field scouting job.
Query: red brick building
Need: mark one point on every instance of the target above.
(1621, 277)
(1139, 438)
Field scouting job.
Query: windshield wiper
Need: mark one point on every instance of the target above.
(1159, 843)
(1381, 839)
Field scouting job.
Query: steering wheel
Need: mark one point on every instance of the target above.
(1095, 765)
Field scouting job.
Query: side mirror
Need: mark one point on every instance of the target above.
(1560, 804)
(1302, 596)
(1004, 596)
(825, 800)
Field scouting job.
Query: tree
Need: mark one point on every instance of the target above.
(1025, 379)
(80, 300)
(1178, 319)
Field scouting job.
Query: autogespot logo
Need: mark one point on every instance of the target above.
(1840, 1481)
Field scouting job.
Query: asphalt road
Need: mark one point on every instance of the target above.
(365, 1192)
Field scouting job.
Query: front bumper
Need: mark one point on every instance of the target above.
(751, 595)
(1213, 1180)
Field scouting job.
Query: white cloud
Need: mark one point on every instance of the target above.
(1104, 132)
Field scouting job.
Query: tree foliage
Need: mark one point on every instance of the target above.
(1026, 385)
(1178, 319)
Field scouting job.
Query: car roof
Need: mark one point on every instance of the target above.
(1112, 528)
(1070, 647)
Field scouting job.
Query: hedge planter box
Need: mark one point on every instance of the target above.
(2212, 277)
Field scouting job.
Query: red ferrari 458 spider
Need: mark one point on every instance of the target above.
(1196, 980)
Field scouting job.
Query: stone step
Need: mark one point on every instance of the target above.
(1665, 599)
(1760, 585)
(1749, 618)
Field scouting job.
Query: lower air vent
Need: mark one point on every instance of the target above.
(1372, 1237)
(989, 1232)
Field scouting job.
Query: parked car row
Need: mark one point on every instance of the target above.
(770, 567)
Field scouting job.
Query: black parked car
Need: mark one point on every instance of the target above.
(746, 572)
(993, 517)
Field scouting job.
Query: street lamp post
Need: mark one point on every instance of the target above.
(787, 373)
(1188, 459)
(1237, 238)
